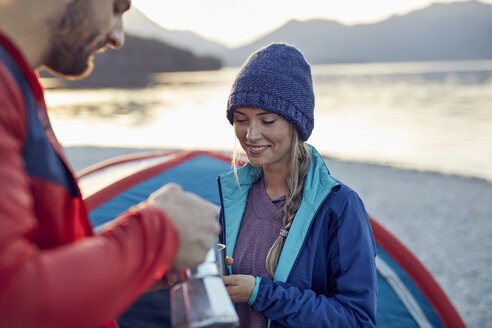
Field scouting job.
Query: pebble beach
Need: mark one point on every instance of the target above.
(445, 220)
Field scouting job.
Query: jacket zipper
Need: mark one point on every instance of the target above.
(221, 214)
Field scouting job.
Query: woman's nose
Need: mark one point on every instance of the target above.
(253, 132)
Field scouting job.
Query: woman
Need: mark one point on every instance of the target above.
(302, 246)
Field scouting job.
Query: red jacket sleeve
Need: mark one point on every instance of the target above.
(83, 284)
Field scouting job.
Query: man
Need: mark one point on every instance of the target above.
(54, 272)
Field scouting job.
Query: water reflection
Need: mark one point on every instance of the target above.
(140, 113)
(433, 116)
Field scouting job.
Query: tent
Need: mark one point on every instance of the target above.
(408, 295)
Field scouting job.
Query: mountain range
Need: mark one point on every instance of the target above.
(136, 23)
(132, 65)
(441, 31)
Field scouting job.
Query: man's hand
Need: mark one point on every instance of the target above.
(239, 287)
(194, 218)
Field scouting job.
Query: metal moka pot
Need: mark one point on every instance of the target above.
(201, 300)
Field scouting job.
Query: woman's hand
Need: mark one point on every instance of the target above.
(239, 287)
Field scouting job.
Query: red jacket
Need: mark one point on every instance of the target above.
(53, 271)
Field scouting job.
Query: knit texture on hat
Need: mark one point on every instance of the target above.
(277, 79)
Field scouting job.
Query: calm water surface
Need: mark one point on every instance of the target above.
(427, 116)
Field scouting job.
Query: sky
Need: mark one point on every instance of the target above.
(235, 22)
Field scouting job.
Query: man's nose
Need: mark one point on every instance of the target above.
(116, 36)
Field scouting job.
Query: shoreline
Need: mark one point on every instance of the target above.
(444, 220)
(114, 151)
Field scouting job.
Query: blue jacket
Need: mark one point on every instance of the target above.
(326, 274)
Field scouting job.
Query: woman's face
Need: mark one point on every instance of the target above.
(265, 137)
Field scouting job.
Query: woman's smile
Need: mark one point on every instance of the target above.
(256, 150)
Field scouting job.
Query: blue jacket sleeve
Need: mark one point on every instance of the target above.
(351, 275)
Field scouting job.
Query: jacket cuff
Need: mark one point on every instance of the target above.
(252, 299)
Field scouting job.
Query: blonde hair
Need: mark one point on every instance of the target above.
(300, 161)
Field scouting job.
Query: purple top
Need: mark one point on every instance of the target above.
(260, 227)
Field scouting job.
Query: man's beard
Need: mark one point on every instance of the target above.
(70, 60)
(72, 44)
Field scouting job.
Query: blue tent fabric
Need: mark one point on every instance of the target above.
(391, 311)
(199, 175)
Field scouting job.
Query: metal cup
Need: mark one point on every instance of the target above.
(202, 301)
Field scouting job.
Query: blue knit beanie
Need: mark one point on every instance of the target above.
(277, 79)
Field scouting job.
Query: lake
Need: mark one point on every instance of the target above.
(433, 116)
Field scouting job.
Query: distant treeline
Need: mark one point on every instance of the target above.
(131, 65)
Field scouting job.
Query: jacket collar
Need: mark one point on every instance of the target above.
(30, 75)
(317, 186)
